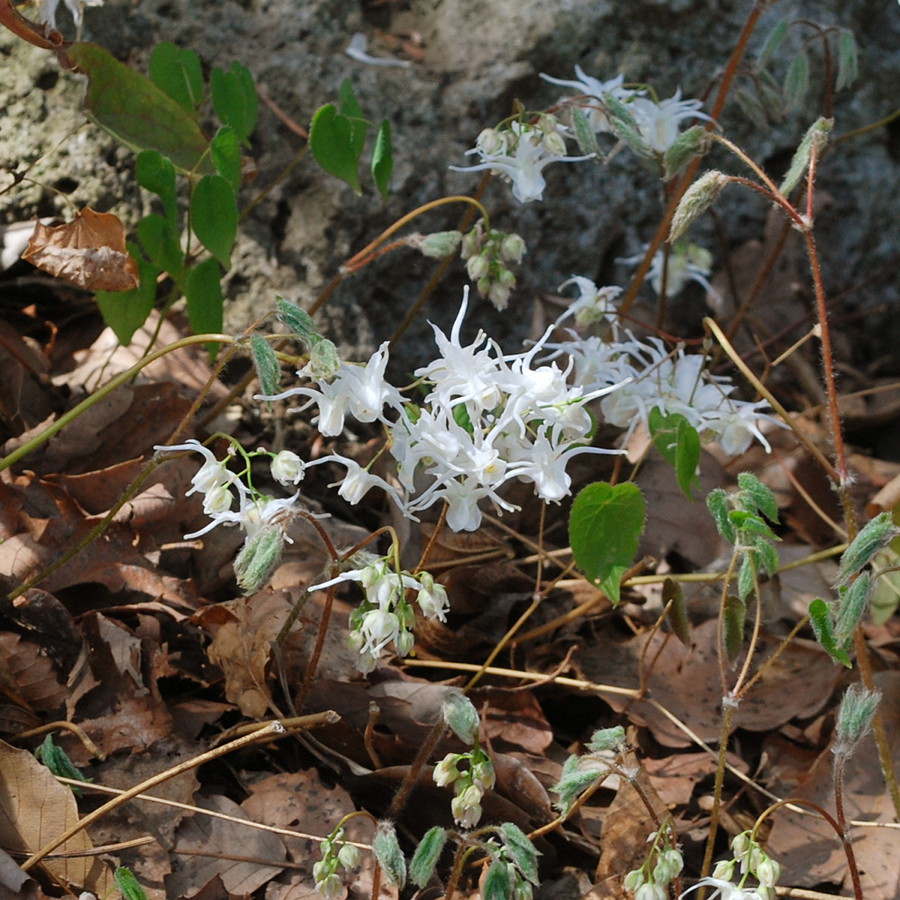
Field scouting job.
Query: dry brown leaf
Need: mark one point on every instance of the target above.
(88, 252)
(243, 858)
(28, 673)
(687, 683)
(34, 810)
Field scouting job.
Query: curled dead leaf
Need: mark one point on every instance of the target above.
(89, 252)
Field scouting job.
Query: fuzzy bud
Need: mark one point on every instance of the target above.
(696, 200)
(439, 244)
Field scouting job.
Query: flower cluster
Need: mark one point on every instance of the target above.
(263, 519)
(489, 418)
(651, 880)
(520, 153)
(471, 774)
(646, 376)
(385, 616)
(336, 854)
(657, 122)
(488, 255)
(750, 860)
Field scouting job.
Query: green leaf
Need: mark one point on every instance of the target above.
(773, 42)
(816, 136)
(177, 72)
(497, 885)
(383, 159)
(746, 577)
(160, 241)
(268, 369)
(332, 145)
(875, 536)
(57, 761)
(205, 302)
(851, 607)
(155, 173)
(214, 216)
(387, 851)
(235, 100)
(820, 619)
(762, 497)
(521, 851)
(796, 82)
(679, 444)
(136, 112)
(676, 611)
(604, 529)
(584, 134)
(225, 151)
(848, 59)
(733, 619)
(349, 106)
(717, 504)
(426, 856)
(126, 311)
(128, 884)
(691, 143)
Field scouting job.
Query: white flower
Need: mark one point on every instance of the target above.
(360, 391)
(659, 122)
(725, 890)
(466, 807)
(686, 262)
(432, 599)
(592, 305)
(287, 468)
(358, 481)
(594, 89)
(446, 772)
(523, 162)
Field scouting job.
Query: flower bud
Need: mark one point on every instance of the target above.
(478, 267)
(491, 142)
(440, 243)
(512, 248)
(287, 468)
(768, 872)
(258, 557)
(348, 856)
(554, 144)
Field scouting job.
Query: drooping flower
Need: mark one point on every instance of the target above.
(660, 121)
(521, 157)
(593, 89)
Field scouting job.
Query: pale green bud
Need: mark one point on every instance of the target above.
(461, 716)
(440, 243)
(724, 870)
(854, 718)
(478, 267)
(323, 359)
(768, 872)
(555, 144)
(348, 856)
(650, 891)
(389, 855)
(633, 880)
(512, 248)
(491, 142)
(696, 200)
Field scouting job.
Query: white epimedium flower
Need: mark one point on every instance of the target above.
(685, 262)
(360, 391)
(212, 474)
(593, 89)
(660, 121)
(593, 305)
(521, 157)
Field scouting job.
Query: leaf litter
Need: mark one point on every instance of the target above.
(138, 640)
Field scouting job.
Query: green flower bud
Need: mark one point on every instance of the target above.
(440, 243)
(258, 557)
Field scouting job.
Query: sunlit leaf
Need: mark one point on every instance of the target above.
(136, 112)
(604, 529)
(214, 216)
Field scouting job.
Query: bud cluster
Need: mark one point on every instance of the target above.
(471, 774)
(662, 866)
(336, 854)
(488, 255)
